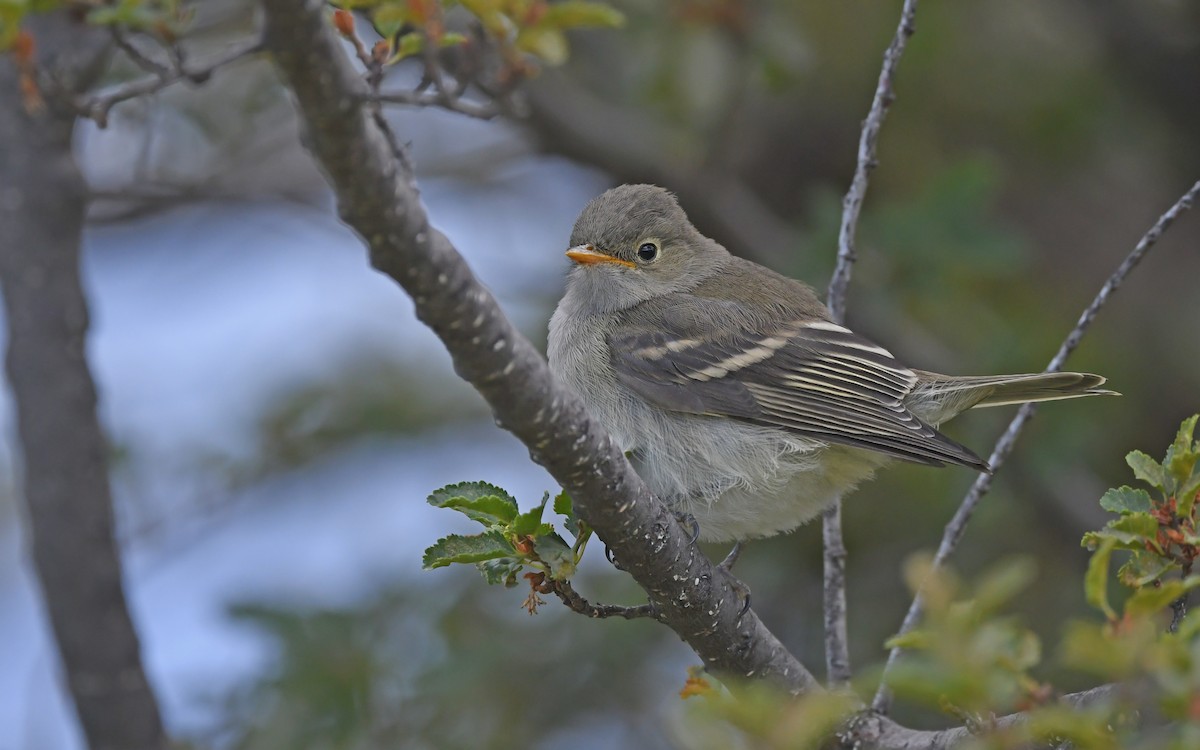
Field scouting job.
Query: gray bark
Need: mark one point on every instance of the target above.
(42, 203)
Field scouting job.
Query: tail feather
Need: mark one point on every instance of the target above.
(939, 397)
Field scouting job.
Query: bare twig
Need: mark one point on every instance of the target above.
(138, 58)
(570, 597)
(837, 643)
(479, 110)
(958, 524)
(96, 106)
(852, 204)
(837, 647)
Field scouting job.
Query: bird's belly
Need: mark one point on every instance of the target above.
(742, 481)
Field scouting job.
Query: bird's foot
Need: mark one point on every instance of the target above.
(689, 522)
(734, 553)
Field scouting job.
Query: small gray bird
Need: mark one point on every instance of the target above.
(737, 398)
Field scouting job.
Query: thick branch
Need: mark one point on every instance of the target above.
(66, 489)
(837, 646)
(958, 524)
(378, 198)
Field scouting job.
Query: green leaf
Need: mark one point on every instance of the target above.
(1151, 599)
(503, 570)
(479, 501)
(548, 44)
(1139, 524)
(557, 555)
(458, 548)
(575, 14)
(1000, 584)
(1144, 567)
(564, 506)
(1185, 497)
(1182, 455)
(1130, 531)
(1146, 469)
(1127, 499)
(530, 523)
(1095, 582)
(913, 639)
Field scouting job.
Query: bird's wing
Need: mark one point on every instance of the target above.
(810, 377)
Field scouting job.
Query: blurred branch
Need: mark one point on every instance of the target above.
(837, 647)
(958, 524)
(876, 731)
(377, 196)
(630, 144)
(66, 483)
(96, 105)
(867, 161)
(478, 110)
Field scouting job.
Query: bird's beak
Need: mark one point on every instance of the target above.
(588, 255)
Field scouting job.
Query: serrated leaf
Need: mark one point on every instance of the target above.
(458, 548)
(1151, 599)
(503, 570)
(1095, 581)
(1131, 531)
(575, 14)
(1139, 524)
(479, 501)
(1146, 469)
(557, 555)
(1127, 499)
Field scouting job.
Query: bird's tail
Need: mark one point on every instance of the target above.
(939, 397)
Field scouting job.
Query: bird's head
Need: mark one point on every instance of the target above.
(634, 243)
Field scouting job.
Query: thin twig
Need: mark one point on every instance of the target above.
(837, 648)
(852, 204)
(576, 603)
(97, 106)
(138, 58)
(478, 110)
(837, 643)
(957, 526)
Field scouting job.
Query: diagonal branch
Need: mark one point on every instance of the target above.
(958, 524)
(837, 644)
(377, 196)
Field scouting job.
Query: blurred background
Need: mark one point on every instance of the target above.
(277, 416)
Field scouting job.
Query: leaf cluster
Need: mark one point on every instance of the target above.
(510, 540)
(520, 29)
(163, 18)
(1158, 530)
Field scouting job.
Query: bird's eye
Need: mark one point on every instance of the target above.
(648, 251)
